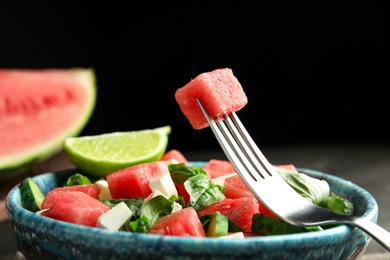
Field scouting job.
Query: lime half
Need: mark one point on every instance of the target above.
(102, 154)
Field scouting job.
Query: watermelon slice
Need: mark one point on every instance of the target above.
(219, 91)
(39, 108)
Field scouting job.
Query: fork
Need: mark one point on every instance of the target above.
(270, 188)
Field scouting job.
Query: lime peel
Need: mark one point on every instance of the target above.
(100, 155)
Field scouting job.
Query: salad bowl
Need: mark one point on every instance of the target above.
(39, 237)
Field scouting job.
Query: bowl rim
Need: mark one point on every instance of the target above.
(20, 215)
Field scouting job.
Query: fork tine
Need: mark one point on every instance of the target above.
(236, 148)
(255, 154)
(242, 162)
(247, 144)
(228, 145)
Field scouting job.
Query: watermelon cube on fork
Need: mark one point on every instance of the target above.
(220, 92)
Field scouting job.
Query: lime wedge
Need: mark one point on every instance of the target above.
(100, 155)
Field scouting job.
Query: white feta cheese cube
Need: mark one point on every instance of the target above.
(115, 218)
(165, 185)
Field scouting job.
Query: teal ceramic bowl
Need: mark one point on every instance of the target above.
(39, 237)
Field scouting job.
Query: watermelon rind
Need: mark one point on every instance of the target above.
(11, 166)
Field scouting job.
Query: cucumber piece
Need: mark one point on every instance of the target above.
(31, 195)
(218, 225)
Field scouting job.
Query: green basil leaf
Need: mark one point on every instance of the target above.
(202, 191)
(139, 225)
(339, 205)
(313, 189)
(155, 208)
(181, 172)
(77, 179)
(317, 191)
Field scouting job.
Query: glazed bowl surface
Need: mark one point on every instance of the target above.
(40, 237)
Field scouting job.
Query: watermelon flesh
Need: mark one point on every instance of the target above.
(92, 189)
(133, 182)
(73, 206)
(175, 155)
(240, 210)
(38, 110)
(217, 168)
(184, 222)
(219, 91)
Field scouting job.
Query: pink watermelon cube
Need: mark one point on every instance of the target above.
(92, 189)
(133, 181)
(219, 91)
(73, 206)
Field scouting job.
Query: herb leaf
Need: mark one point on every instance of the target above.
(181, 172)
(77, 179)
(202, 191)
(155, 208)
(313, 189)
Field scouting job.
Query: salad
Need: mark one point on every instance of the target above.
(174, 197)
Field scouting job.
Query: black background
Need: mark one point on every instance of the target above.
(313, 71)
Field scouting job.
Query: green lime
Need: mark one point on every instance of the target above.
(102, 154)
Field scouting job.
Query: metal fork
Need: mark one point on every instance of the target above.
(270, 188)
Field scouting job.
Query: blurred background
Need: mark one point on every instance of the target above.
(313, 71)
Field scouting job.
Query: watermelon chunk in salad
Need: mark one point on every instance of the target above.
(174, 155)
(92, 189)
(180, 223)
(133, 181)
(73, 206)
(217, 167)
(240, 210)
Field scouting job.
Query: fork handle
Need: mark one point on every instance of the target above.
(381, 235)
